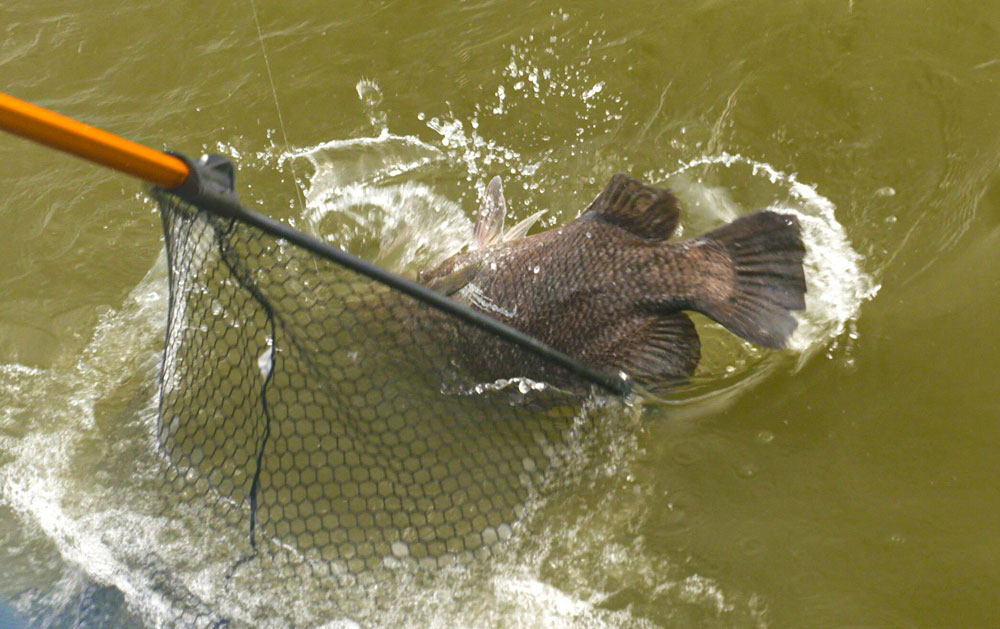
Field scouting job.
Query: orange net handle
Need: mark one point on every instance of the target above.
(65, 134)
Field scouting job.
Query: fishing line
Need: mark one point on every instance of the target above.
(277, 107)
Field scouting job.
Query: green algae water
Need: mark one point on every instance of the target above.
(847, 481)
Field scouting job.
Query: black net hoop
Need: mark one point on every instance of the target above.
(322, 422)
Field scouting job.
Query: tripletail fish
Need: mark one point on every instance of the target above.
(611, 287)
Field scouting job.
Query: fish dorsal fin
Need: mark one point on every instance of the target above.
(519, 230)
(646, 211)
(489, 222)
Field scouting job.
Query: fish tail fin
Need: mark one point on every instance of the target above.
(768, 282)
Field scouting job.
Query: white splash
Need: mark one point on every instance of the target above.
(39, 480)
(350, 195)
(836, 283)
(473, 293)
(265, 362)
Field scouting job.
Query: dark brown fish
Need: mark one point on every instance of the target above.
(611, 288)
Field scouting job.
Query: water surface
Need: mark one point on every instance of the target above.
(850, 480)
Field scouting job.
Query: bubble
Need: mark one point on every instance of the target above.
(400, 549)
(371, 97)
(265, 362)
(369, 92)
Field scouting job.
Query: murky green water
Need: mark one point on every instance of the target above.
(849, 481)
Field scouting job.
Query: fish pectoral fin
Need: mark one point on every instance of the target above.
(489, 221)
(453, 282)
(647, 211)
(519, 230)
(661, 348)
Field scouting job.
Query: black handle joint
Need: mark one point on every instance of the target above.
(210, 185)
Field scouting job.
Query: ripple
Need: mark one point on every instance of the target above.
(718, 188)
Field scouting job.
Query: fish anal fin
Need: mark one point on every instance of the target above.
(651, 347)
(647, 211)
(665, 347)
(489, 221)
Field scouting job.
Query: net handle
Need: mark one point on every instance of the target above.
(107, 149)
(208, 184)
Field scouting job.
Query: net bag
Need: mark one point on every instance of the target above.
(321, 421)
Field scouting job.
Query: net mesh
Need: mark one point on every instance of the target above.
(328, 424)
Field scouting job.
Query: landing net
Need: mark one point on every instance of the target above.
(324, 423)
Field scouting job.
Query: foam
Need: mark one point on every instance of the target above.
(40, 481)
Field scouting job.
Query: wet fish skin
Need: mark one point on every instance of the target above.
(610, 288)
